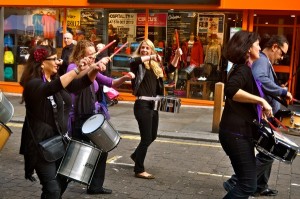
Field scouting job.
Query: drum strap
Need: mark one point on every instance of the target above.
(54, 106)
(148, 98)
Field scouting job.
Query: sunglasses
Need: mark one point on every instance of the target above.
(283, 54)
(52, 59)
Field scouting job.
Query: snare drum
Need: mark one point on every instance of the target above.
(168, 104)
(5, 132)
(101, 132)
(6, 109)
(293, 123)
(277, 146)
(79, 162)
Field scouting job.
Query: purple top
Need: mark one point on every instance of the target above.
(100, 79)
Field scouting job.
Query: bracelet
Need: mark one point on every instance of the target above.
(150, 57)
(76, 71)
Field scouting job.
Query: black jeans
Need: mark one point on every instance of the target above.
(53, 187)
(241, 153)
(263, 170)
(147, 120)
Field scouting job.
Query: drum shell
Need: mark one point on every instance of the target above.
(6, 109)
(5, 133)
(292, 122)
(105, 136)
(168, 104)
(276, 147)
(79, 162)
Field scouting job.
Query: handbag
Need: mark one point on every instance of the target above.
(111, 92)
(52, 148)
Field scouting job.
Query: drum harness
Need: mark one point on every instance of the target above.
(148, 98)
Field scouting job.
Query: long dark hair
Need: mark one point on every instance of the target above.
(237, 48)
(33, 67)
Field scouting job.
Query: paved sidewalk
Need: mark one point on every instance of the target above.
(184, 171)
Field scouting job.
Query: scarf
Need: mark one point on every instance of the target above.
(155, 66)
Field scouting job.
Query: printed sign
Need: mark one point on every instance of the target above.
(124, 24)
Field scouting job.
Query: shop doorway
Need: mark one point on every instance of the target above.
(296, 66)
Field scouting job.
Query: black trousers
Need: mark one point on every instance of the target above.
(52, 187)
(147, 120)
(242, 156)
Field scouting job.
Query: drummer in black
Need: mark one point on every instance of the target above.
(146, 65)
(40, 81)
(274, 48)
(243, 104)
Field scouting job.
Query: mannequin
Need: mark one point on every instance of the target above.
(190, 44)
(213, 51)
(174, 75)
(212, 60)
(194, 55)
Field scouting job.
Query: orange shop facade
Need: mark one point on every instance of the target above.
(210, 22)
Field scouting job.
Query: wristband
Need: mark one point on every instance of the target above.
(76, 71)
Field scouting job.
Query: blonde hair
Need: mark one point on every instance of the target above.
(149, 43)
(155, 66)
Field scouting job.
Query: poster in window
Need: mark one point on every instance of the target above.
(184, 22)
(91, 24)
(124, 25)
(210, 25)
(157, 23)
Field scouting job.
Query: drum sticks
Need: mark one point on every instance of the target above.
(118, 50)
(295, 100)
(177, 41)
(104, 48)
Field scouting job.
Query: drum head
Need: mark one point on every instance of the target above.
(93, 123)
(6, 109)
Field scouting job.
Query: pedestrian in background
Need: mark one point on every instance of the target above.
(66, 52)
(243, 105)
(146, 66)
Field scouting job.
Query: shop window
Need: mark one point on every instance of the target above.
(22, 29)
(120, 62)
(298, 19)
(274, 19)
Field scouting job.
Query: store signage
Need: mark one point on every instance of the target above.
(199, 2)
(124, 24)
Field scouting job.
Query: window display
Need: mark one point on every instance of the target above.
(199, 35)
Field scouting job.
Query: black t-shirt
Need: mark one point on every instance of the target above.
(149, 85)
